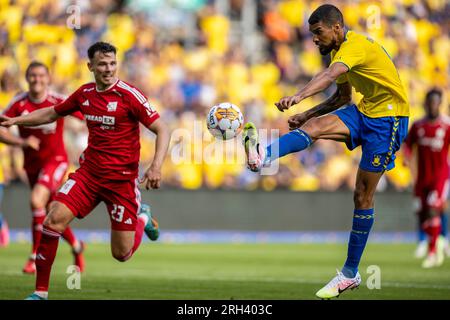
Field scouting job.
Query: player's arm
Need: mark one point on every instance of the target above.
(152, 177)
(35, 118)
(341, 96)
(318, 84)
(10, 139)
(409, 143)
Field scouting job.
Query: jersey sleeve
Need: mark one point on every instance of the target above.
(142, 109)
(70, 105)
(78, 115)
(342, 79)
(11, 111)
(351, 54)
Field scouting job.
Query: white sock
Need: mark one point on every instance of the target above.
(42, 294)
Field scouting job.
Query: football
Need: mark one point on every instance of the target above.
(225, 121)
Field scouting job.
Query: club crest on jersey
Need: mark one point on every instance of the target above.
(376, 160)
(112, 106)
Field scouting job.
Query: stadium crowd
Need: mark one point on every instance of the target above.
(187, 56)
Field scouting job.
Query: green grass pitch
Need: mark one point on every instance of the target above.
(226, 271)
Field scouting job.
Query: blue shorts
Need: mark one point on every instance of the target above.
(379, 138)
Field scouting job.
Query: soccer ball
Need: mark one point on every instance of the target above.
(225, 121)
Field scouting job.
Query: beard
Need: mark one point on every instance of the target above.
(326, 50)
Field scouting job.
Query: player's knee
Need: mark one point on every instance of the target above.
(52, 222)
(37, 202)
(312, 128)
(57, 218)
(362, 199)
(121, 255)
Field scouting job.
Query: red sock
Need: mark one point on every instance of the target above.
(45, 256)
(137, 238)
(36, 227)
(433, 230)
(69, 236)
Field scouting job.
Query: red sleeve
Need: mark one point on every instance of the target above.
(11, 111)
(142, 109)
(68, 106)
(78, 115)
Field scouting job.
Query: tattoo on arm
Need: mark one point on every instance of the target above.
(338, 99)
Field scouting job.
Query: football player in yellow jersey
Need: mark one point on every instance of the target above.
(378, 124)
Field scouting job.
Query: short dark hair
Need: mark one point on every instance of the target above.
(433, 91)
(35, 64)
(328, 14)
(103, 47)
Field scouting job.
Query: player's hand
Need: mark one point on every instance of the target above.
(152, 178)
(6, 121)
(32, 142)
(296, 121)
(287, 102)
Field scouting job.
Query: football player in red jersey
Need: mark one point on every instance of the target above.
(7, 138)
(108, 173)
(431, 136)
(47, 167)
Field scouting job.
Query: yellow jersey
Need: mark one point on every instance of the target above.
(373, 74)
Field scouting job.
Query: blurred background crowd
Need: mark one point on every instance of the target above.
(187, 55)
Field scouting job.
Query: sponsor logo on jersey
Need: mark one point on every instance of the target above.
(112, 106)
(102, 119)
(86, 103)
(88, 89)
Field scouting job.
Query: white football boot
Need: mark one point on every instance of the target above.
(337, 285)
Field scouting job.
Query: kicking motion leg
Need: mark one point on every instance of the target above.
(325, 127)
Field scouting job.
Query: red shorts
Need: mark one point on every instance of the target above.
(51, 175)
(83, 191)
(434, 197)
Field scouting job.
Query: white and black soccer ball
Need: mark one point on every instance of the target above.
(225, 121)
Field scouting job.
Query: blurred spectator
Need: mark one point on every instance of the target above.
(188, 55)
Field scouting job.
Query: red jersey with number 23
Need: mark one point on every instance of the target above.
(112, 118)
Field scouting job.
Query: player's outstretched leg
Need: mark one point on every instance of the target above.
(294, 141)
